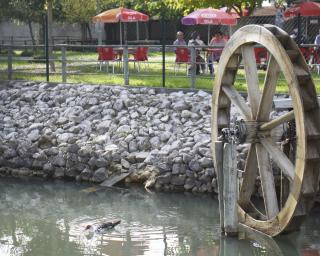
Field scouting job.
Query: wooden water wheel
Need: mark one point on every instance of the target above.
(267, 166)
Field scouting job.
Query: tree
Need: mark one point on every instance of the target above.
(239, 6)
(23, 10)
(80, 11)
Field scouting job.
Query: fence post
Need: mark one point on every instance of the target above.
(63, 63)
(10, 62)
(47, 46)
(126, 65)
(193, 67)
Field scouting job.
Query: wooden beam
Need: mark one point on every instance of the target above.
(237, 100)
(277, 121)
(230, 189)
(270, 84)
(251, 72)
(218, 145)
(279, 158)
(267, 182)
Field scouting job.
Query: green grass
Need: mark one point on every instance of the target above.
(82, 68)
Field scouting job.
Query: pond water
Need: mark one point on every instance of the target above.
(38, 219)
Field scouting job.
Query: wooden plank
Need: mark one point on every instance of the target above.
(218, 145)
(249, 178)
(237, 100)
(251, 72)
(115, 179)
(224, 101)
(277, 121)
(223, 118)
(230, 189)
(270, 84)
(279, 158)
(267, 182)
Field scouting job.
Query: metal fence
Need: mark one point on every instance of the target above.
(160, 68)
(82, 64)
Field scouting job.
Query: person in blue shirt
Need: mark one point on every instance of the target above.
(279, 20)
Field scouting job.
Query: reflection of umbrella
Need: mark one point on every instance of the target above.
(209, 17)
(120, 14)
(304, 9)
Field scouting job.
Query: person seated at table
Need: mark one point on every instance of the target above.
(317, 48)
(196, 41)
(294, 36)
(180, 39)
(317, 39)
(214, 54)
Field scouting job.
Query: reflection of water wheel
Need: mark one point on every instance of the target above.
(301, 174)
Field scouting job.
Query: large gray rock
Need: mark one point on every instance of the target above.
(206, 162)
(164, 179)
(34, 135)
(178, 180)
(178, 168)
(99, 175)
(194, 165)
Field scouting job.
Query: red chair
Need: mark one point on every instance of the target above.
(140, 55)
(107, 55)
(182, 57)
(261, 55)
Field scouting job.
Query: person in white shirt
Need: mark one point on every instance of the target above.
(196, 41)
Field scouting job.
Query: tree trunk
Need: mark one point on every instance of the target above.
(51, 43)
(31, 33)
(83, 33)
(89, 31)
(42, 30)
(32, 36)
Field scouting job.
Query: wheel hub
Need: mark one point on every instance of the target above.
(243, 132)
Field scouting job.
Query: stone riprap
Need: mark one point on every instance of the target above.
(90, 133)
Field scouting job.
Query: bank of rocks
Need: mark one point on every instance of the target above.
(90, 133)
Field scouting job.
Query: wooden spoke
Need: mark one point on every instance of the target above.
(249, 62)
(277, 121)
(249, 177)
(267, 182)
(237, 100)
(269, 89)
(279, 157)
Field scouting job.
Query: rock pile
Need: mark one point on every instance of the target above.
(90, 133)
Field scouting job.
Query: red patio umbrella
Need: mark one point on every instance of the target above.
(304, 9)
(120, 15)
(209, 17)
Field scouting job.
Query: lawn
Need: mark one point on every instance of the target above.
(82, 67)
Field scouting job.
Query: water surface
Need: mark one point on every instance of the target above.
(38, 219)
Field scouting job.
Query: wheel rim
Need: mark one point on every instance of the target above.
(285, 57)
